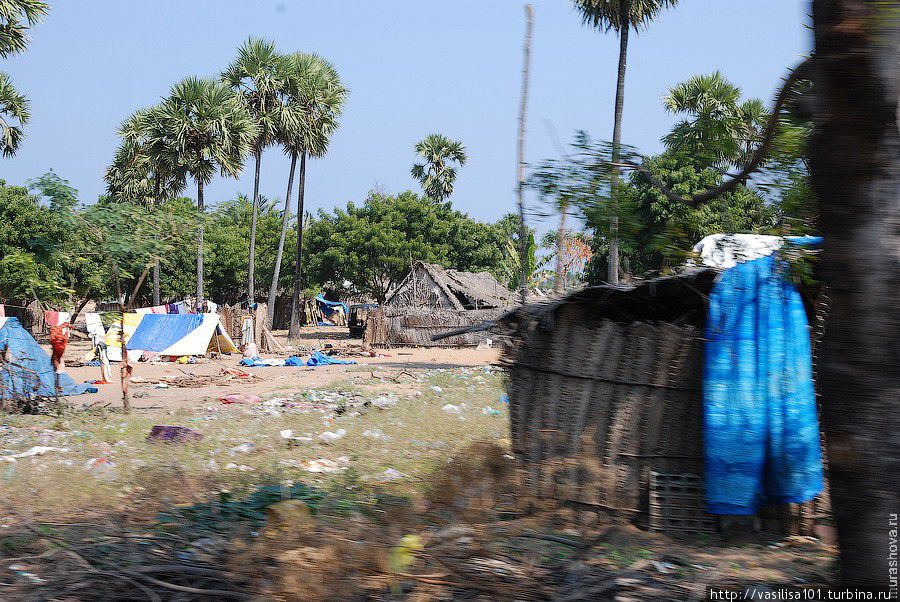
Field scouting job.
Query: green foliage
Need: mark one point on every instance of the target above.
(31, 236)
(14, 115)
(221, 515)
(205, 124)
(16, 18)
(719, 129)
(435, 174)
(371, 247)
(662, 232)
(57, 252)
(615, 14)
(225, 252)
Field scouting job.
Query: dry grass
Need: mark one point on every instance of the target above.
(418, 437)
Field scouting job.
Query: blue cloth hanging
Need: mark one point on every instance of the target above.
(761, 429)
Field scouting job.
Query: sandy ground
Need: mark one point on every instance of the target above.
(284, 380)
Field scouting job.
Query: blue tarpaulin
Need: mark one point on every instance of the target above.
(320, 359)
(327, 307)
(160, 332)
(29, 372)
(760, 422)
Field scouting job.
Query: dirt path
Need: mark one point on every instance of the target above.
(268, 380)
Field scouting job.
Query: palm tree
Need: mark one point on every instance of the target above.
(434, 174)
(720, 130)
(313, 102)
(14, 14)
(144, 173)
(205, 125)
(14, 116)
(619, 16)
(258, 76)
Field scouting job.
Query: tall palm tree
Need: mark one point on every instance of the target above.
(719, 128)
(313, 103)
(619, 16)
(143, 172)
(258, 76)
(209, 129)
(14, 115)
(16, 16)
(435, 174)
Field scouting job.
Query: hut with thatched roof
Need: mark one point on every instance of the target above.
(431, 300)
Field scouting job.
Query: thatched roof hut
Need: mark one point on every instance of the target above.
(430, 285)
(432, 300)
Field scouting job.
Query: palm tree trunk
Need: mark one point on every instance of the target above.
(251, 265)
(613, 275)
(156, 282)
(520, 167)
(157, 184)
(855, 161)
(559, 282)
(285, 220)
(294, 331)
(200, 242)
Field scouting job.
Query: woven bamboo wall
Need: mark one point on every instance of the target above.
(402, 326)
(594, 409)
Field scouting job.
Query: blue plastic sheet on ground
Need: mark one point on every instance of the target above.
(320, 359)
(29, 372)
(761, 431)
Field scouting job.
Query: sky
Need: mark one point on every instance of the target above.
(413, 68)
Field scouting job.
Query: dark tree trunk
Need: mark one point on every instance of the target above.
(613, 275)
(855, 163)
(294, 331)
(285, 220)
(251, 264)
(156, 282)
(199, 242)
(520, 152)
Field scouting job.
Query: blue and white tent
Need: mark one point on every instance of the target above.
(181, 334)
(25, 368)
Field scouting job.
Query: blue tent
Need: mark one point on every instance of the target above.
(761, 430)
(29, 372)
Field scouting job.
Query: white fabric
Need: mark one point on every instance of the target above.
(2, 321)
(727, 250)
(95, 327)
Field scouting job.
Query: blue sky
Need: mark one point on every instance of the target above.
(413, 68)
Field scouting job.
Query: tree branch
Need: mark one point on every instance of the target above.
(800, 72)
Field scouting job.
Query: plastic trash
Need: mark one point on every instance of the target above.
(243, 398)
(437, 389)
(330, 437)
(390, 474)
(452, 409)
(38, 450)
(179, 434)
(243, 448)
(384, 402)
(504, 398)
(491, 411)
(375, 434)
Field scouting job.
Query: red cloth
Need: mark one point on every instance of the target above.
(59, 338)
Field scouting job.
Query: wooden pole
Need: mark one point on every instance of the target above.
(523, 111)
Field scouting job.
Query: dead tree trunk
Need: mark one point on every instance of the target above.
(520, 164)
(855, 163)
